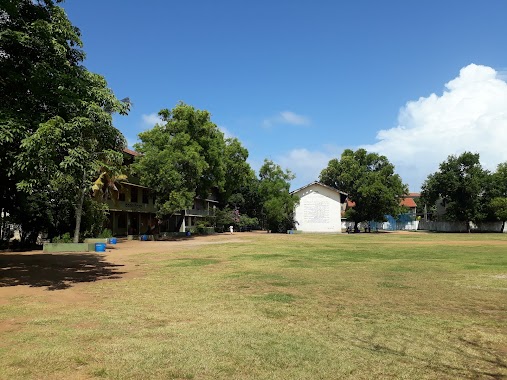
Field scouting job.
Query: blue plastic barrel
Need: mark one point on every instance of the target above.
(112, 240)
(188, 233)
(144, 238)
(100, 247)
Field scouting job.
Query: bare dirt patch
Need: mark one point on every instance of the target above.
(28, 274)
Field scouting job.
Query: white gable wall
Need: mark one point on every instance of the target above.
(319, 210)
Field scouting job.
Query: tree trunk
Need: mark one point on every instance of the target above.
(503, 227)
(468, 226)
(3, 226)
(79, 210)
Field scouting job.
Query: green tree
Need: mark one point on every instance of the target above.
(462, 186)
(45, 86)
(181, 158)
(238, 172)
(499, 193)
(277, 202)
(370, 182)
(499, 206)
(69, 156)
(499, 180)
(40, 60)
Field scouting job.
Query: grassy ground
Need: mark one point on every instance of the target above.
(363, 306)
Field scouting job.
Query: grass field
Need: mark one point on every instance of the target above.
(266, 306)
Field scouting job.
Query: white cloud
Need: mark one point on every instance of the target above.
(226, 132)
(470, 115)
(294, 119)
(151, 119)
(287, 118)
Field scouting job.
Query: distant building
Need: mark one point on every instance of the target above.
(320, 208)
(406, 221)
(134, 211)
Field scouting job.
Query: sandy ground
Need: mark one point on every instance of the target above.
(61, 277)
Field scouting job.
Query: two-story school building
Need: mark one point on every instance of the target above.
(134, 211)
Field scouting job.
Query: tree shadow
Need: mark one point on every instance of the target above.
(55, 271)
(488, 362)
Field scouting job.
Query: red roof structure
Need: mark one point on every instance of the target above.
(407, 202)
(131, 152)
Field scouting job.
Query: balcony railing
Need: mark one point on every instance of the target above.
(195, 212)
(131, 206)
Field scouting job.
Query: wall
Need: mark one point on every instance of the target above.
(460, 226)
(319, 210)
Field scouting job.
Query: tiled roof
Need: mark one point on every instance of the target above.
(131, 152)
(408, 202)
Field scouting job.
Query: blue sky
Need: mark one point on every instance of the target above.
(299, 81)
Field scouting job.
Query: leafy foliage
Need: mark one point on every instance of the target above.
(238, 173)
(227, 217)
(181, 158)
(55, 117)
(65, 238)
(370, 182)
(106, 233)
(277, 202)
(462, 186)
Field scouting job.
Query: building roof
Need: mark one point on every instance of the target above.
(407, 202)
(321, 184)
(131, 152)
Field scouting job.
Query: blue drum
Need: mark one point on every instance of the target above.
(100, 247)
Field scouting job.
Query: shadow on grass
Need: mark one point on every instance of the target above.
(54, 271)
(487, 362)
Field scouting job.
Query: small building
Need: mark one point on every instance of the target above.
(320, 208)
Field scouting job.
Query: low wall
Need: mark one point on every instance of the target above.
(97, 240)
(445, 226)
(68, 247)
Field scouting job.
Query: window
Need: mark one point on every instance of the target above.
(133, 194)
(145, 196)
(122, 220)
(121, 197)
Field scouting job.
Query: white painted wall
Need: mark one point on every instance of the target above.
(319, 210)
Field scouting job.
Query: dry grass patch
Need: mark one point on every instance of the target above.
(274, 307)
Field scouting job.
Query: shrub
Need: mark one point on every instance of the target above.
(201, 227)
(65, 238)
(106, 233)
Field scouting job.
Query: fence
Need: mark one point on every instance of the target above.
(446, 226)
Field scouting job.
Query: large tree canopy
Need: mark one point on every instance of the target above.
(462, 186)
(370, 182)
(498, 204)
(238, 173)
(181, 158)
(48, 97)
(277, 202)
